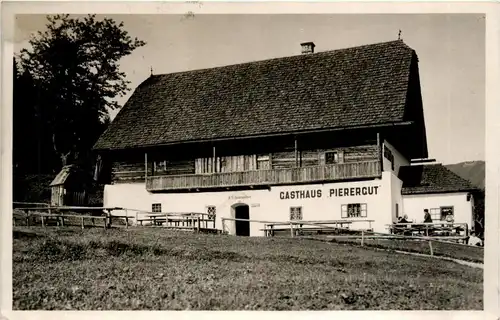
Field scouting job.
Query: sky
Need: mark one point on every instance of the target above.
(450, 47)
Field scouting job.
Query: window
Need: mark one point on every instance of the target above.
(446, 213)
(156, 207)
(263, 162)
(211, 211)
(441, 213)
(160, 166)
(354, 210)
(435, 213)
(331, 157)
(295, 213)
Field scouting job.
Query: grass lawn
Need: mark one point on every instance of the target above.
(157, 269)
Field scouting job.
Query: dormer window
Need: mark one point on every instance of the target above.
(307, 47)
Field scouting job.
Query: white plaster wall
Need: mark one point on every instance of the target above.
(399, 159)
(414, 205)
(396, 198)
(265, 204)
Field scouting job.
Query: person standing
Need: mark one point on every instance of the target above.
(427, 216)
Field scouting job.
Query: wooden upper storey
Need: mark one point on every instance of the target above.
(257, 163)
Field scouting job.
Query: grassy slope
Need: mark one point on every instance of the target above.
(158, 269)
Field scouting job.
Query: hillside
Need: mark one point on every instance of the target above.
(474, 171)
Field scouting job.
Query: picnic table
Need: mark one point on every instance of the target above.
(311, 226)
(179, 220)
(155, 218)
(426, 229)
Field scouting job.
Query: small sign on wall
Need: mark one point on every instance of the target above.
(240, 197)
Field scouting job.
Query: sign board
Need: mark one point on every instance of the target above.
(333, 192)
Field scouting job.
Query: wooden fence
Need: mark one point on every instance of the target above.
(57, 213)
(183, 221)
(428, 228)
(296, 226)
(30, 204)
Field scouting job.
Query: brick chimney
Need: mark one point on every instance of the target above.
(307, 47)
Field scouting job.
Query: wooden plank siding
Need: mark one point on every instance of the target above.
(133, 171)
(344, 171)
(226, 164)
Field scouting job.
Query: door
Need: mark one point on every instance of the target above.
(242, 227)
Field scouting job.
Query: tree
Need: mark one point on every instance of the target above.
(27, 137)
(74, 67)
(479, 221)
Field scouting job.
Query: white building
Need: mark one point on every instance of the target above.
(317, 136)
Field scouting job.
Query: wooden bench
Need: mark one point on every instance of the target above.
(299, 226)
(155, 218)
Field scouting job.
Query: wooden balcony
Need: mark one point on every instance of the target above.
(327, 173)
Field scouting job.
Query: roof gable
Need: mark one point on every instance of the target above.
(63, 175)
(357, 86)
(433, 178)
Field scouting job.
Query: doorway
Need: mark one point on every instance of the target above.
(242, 227)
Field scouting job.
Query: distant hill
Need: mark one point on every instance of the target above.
(470, 170)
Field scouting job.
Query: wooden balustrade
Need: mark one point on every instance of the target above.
(334, 172)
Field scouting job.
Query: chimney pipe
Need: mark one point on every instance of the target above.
(307, 47)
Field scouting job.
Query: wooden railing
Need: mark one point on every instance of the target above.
(334, 172)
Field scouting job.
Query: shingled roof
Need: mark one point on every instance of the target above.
(358, 86)
(432, 178)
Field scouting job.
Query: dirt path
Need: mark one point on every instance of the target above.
(464, 262)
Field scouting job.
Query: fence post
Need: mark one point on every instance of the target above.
(430, 246)
(109, 215)
(291, 229)
(43, 222)
(126, 218)
(199, 221)
(82, 224)
(362, 237)
(223, 226)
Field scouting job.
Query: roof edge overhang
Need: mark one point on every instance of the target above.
(267, 135)
(440, 191)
